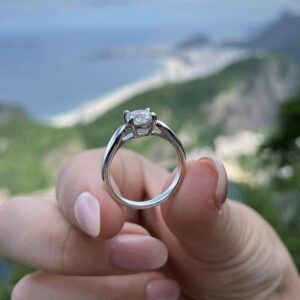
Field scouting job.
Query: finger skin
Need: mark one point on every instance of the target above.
(214, 254)
(51, 287)
(82, 174)
(132, 176)
(34, 232)
(207, 245)
(193, 216)
(228, 253)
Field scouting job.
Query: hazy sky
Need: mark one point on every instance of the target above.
(228, 4)
(219, 18)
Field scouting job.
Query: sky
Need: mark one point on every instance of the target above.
(15, 5)
(218, 18)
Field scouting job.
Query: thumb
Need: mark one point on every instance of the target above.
(221, 247)
(197, 215)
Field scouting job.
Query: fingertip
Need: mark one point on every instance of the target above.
(221, 189)
(137, 252)
(98, 217)
(197, 203)
(162, 288)
(84, 200)
(96, 214)
(87, 213)
(197, 188)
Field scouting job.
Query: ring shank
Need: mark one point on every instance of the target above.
(118, 139)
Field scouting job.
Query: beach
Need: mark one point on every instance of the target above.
(183, 66)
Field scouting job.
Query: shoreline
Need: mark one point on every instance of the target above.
(192, 64)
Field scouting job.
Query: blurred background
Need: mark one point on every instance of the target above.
(223, 74)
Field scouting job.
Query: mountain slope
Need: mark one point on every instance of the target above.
(281, 36)
(31, 153)
(199, 109)
(245, 95)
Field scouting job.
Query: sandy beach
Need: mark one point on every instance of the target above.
(189, 65)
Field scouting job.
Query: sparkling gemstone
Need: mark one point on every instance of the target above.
(141, 117)
(142, 131)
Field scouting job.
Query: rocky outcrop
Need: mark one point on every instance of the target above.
(253, 104)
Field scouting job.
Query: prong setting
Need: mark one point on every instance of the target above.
(125, 114)
(142, 122)
(154, 119)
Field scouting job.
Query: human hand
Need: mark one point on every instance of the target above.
(210, 248)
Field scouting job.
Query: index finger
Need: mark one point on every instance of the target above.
(83, 196)
(34, 232)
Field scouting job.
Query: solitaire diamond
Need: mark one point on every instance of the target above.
(141, 121)
(141, 117)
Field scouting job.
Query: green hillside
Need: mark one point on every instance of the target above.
(28, 161)
(182, 105)
(32, 152)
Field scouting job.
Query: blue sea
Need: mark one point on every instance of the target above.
(47, 49)
(55, 72)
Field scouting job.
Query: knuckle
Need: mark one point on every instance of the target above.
(71, 172)
(79, 157)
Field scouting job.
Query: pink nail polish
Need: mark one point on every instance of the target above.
(87, 213)
(222, 183)
(162, 289)
(137, 252)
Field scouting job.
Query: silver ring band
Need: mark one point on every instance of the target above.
(142, 123)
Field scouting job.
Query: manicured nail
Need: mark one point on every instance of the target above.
(87, 213)
(137, 252)
(162, 289)
(222, 184)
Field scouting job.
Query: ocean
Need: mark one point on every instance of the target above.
(47, 49)
(52, 73)
(48, 54)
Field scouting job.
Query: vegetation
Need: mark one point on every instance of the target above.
(24, 145)
(190, 98)
(31, 152)
(284, 143)
(278, 200)
(17, 272)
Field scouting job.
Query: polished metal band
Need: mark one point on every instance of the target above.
(121, 136)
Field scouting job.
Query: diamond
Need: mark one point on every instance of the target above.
(141, 117)
(142, 131)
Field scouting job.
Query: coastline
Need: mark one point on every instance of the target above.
(192, 64)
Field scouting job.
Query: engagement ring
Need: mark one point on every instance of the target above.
(142, 123)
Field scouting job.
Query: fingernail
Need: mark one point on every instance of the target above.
(137, 252)
(222, 184)
(87, 213)
(162, 289)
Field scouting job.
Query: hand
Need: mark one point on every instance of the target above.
(197, 242)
